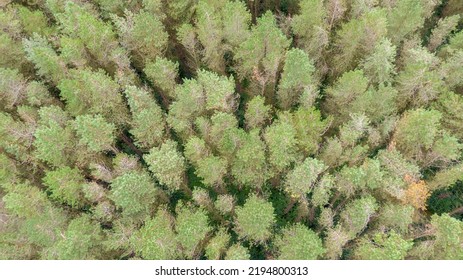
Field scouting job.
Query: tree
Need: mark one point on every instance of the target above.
(80, 241)
(192, 227)
(95, 132)
(383, 246)
(237, 252)
(299, 243)
(54, 138)
(143, 34)
(280, 138)
(189, 104)
(257, 113)
(255, 219)
(217, 246)
(451, 72)
(249, 166)
(163, 73)
(396, 216)
(12, 87)
(357, 214)
(417, 194)
(309, 128)
(225, 203)
(135, 193)
(47, 63)
(449, 104)
(442, 31)
(212, 170)
(297, 83)
(357, 39)
(301, 180)
(379, 66)
(259, 56)
(210, 34)
(448, 235)
(345, 90)
(65, 185)
(89, 92)
(168, 165)
(311, 29)
(419, 83)
(420, 138)
(96, 35)
(148, 120)
(404, 19)
(156, 240)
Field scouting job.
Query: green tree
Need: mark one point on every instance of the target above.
(448, 235)
(280, 138)
(297, 83)
(163, 73)
(255, 219)
(81, 240)
(65, 185)
(47, 62)
(357, 214)
(148, 120)
(311, 29)
(260, 55)
(217, 246)
(249, 166)
(168, 165)
(383, 246)
(143, 34)
(301, 180)
(419, 137)
(257, 113)
(89, 92)
(237, 252)
(379, 66)
(192, 226)
(54, 138)
(95, 132)
(419, 82)
(135, 193)
(441, 32)
(357, 38)
(156, 239)
(299, 243)
(404, 19)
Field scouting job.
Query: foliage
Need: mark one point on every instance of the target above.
(208, 129)
(299, 243)
(255, 219)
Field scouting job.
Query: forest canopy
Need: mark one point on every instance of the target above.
(227, 129)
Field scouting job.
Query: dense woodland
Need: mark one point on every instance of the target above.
(221, 129)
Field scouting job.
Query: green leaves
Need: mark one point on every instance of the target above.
(192, 227)
(135, 193)
(156, 239)
(89, 92)
(255, 219)
(260, 55)
(80, 241)
(419, 135)
(384, 246)
(299, 243)
(208, 129)
(300, 181)
(167, 164)
(95, 132)
(296, 80)
(65, 185)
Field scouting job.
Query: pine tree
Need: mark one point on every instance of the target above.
(255, 219)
